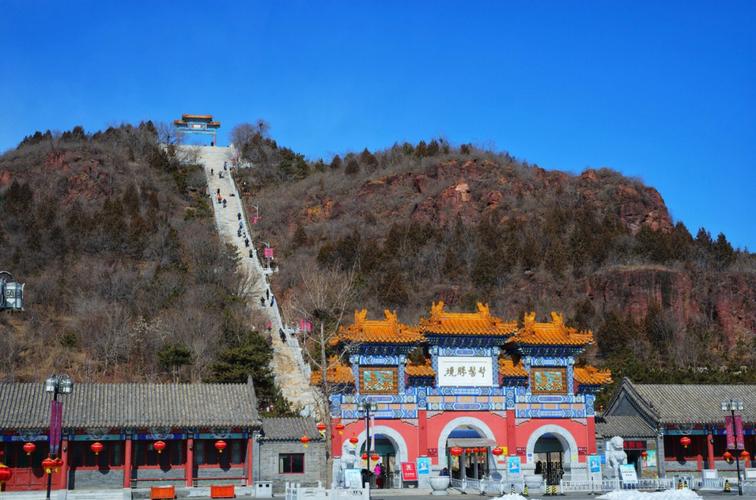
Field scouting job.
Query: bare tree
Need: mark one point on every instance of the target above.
(322, 298)
(167, 134)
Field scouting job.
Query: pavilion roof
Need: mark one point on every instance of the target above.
(379, 331)
(420, 370)
(508, 368)
(554, 332)
(590, 375)
(26, 406)
(481, 322)
(336, 373)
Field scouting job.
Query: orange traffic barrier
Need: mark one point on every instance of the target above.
(222, 491)
(162, 492)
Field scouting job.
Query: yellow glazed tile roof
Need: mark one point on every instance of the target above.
(424, 370)
(508, 368)
(552, 333)
(590, 375)
(336, 373)
(480, 322)
(385, 331)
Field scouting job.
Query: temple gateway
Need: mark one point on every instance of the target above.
(488, 396)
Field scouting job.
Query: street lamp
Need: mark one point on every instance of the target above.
(367, 406)
(56, 384)
(733, 405)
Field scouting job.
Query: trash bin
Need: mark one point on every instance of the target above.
(264, 489)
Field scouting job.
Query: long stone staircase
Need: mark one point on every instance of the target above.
(292, 373)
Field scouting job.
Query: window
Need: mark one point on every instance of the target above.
(145, 454)
(15, 456)
(206, 454)
(80, 454)
(291, 463)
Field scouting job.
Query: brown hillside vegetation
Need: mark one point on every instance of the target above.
(126, 279)
(430, 221)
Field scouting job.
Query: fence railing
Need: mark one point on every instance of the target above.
(297, 492)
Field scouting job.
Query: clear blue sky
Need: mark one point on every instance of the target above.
(662, 91)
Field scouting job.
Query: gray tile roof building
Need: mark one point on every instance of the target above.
(289, 429)
(680, 403)
(26, 406)
(627, 426)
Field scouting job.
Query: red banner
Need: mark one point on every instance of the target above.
(56, 424)
(734, 433)
(409, 472)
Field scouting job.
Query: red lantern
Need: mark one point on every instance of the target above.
(29, 448)
(374, 457)
(159, 446)
(685, 441)
(220, 445)
(304, 440)
(96, 447)
(744, 455)
(48, 464)
(470, 451)
(644, 453)
(321, 427)
(58, 464)
(497, 451)
(364, 456)
(340, 428)
(6, 473)
(727, 456)
(456, 451)
(353, 440)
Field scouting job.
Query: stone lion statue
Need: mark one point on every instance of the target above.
(347, 461)
(615, 454)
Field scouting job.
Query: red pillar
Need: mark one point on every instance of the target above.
(127, 462)
(336, 438)
(188, 466)
(62, 478)
(250, 461)
(710, 450)
(591, 436)
(511, 433)
(422, 432)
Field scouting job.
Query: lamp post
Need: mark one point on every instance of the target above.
(367, 406)
(56, 384)
(732, 405)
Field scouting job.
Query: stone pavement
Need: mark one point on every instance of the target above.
(288, 366)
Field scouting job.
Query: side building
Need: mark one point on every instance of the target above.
(466, 391)
(678, 429)
(143, 435)
(284, 458)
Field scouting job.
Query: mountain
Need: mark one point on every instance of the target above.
(126, 278)
(429, 221)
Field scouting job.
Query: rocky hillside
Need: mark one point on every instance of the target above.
(126, 279)
(430, 221)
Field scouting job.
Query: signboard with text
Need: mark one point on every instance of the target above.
(423, 465)
(628, 474)
(465, 371)
(513, 465)
(594, 464)
(409, 472)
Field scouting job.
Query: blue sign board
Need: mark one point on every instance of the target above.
(513, 465)
(423, 465)
(594, 463)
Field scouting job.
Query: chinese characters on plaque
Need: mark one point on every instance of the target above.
(465, 371)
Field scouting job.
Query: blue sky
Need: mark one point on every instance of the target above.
(659, 90)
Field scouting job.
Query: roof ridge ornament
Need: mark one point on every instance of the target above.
(484, 310)
(359, 317)
(529, 321)
(437, 310)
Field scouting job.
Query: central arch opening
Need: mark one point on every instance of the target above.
(473, 463)
(548, 454)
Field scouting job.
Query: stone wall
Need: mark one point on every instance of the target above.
(91, 479)
(315, 465)
(219, 475)
(163, 477)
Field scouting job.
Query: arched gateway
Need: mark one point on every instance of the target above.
(471, 379)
